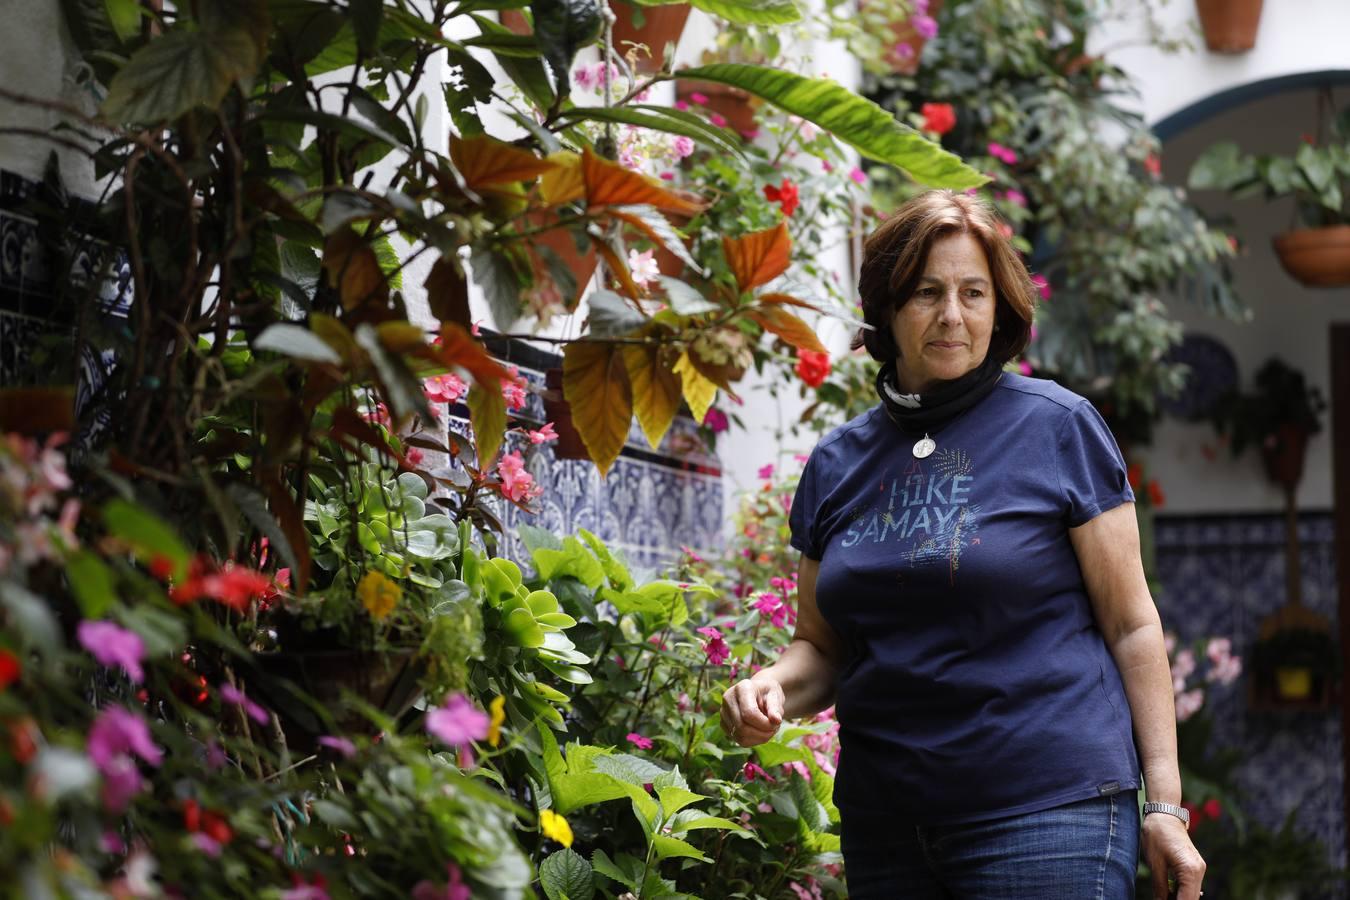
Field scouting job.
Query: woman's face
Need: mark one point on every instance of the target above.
(943, 329)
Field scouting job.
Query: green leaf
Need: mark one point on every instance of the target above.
(612, 316)
(607, 868)
(566, 875)
(684, 298)
(774, 753)
(657, 118)
(868, 128)
(333, 815)
(366, 16)
(568, 673)
(615, 570)
(667, 847)
(750, 12)
(148, 534)
(628, 602)
(696, 822)
(297, 342)
(1222, 167)
(179, 71)
(495, 274)
(571, 560)
(528, 74)
(629, 768)
(92, 582)
(536, 538)
(522, 629)
(561, 28)
(125, 18)
(571, 781)
(674, 799)
(810, 813)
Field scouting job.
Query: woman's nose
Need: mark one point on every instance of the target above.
(951, 308)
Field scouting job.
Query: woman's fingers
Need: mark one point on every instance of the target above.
(752, 711)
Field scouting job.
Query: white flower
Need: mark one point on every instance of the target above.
(643, 266)
(1189, 703)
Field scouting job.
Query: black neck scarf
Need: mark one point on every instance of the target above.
(927, 412)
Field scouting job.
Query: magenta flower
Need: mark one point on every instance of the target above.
(113, 645)
(766, 471)
(751, 771)
(120, 732)
(517, 484)
(121, 783)
(1024, 367)
(718, 119)
(513, 390)
(682, 105)
(455, 889)
(234, 697)
(1017, 198)
(925, 26)
(1006, 154)
(682, 146)
(448, 388)
(637, 740)
(458, 723)
(716, 646)
(716, 421)
(858, 175)
(1042, 285)
(700, 99)
(338, 744)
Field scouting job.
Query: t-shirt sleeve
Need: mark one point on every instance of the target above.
(1092, 475)
(804, 513)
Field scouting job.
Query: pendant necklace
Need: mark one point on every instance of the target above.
(924, 448)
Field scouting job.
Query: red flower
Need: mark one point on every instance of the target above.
(1134, 473)
(1155, 495)
(234, 586)
(785, 195)
(10, 669)
(1195, 812)
(1211, 809)
(1153, 165)
(213, 825)
(23, 740)
(812, 366)
(938, 118)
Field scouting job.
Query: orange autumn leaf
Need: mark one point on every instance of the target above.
(485, 161)
(458, 348)
(656, 389)
(564, 183)
(610, 184)
(596, 387)
(619, 269)
(786, 300)
(759, 257)
(353, 268)
(787, 326)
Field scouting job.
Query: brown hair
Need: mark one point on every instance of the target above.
(895, 254)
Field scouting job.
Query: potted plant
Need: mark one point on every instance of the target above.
(1279, 418)
(1298, 663)
(1317, 176)
(654, 27)
(1263, 864)
(1229, 25)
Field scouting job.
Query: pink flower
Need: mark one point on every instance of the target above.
(414, 456)
(682, 702)
(447, 388)
(513, 390)
(752, 770)
(119, 732)
(455, 888)
(766, 471)
(858, 175)
(796, 765)
(667, 176)
(700, 99)
(207, 844)
(1024, 367)
(715, 647)
(1017, 198)
(1225, 672)
(111, 842)
(1042, 285)
(517, 484)
(121, 783)
(113, 645)
(235, 697)
(340, 745)
(457, 723)
(682, 105)
(716, 421)
(682, 146)
(637, 740)
(925, 26)
(543, 435)
(1189, 703)
(643, 267)
(302, 891)
(1005, 154)
(693, 557)
(582, 76)
(1182, 667)
(717, 119)
(903, 52)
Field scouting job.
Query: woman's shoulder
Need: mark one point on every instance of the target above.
(1026, 389)
(840, 438)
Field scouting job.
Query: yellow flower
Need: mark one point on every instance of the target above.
(556, 827)
(498, 709)
(379, 594)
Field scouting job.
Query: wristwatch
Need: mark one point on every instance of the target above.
(1179, 811)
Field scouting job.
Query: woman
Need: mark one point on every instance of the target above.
(971, 598)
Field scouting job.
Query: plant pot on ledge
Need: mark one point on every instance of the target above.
(1317, 257)
(733, 104)
(661, 25)
(1230, 26)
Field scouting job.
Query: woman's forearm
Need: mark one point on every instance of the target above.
(807, 677)
(1142, 659)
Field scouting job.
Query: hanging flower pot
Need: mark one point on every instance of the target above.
(661, 25)
(1283, 453)
(1230, 25)
(734, 105)
(558, 411)
(908, 37)
(1317, 257)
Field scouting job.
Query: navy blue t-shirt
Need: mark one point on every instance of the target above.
(976, 683)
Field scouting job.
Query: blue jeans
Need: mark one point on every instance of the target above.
(1087, 850)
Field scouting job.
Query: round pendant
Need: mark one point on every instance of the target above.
(925, 447)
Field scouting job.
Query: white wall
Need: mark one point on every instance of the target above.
(1289, 320)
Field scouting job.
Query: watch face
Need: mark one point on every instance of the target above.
(1213, 373)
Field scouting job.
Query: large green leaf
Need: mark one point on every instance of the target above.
(671, 121)
(566, 875)
(855, 120)
(751, 12)
(180, 71)
(571, 782)
(148, 534)
(495, 274)
(561, 28)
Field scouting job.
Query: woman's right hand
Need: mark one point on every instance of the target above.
(752, 710)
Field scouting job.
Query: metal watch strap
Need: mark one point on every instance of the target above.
(1179, 811)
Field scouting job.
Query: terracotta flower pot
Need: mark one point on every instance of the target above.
(903, 35)
(1230, 26)
(661, 25)
(569, 444)
(1317, 257)
(1283, 454)
(560, 242)
(733, 104)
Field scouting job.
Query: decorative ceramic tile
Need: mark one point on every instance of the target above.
(1222, 576)
(649, 505)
